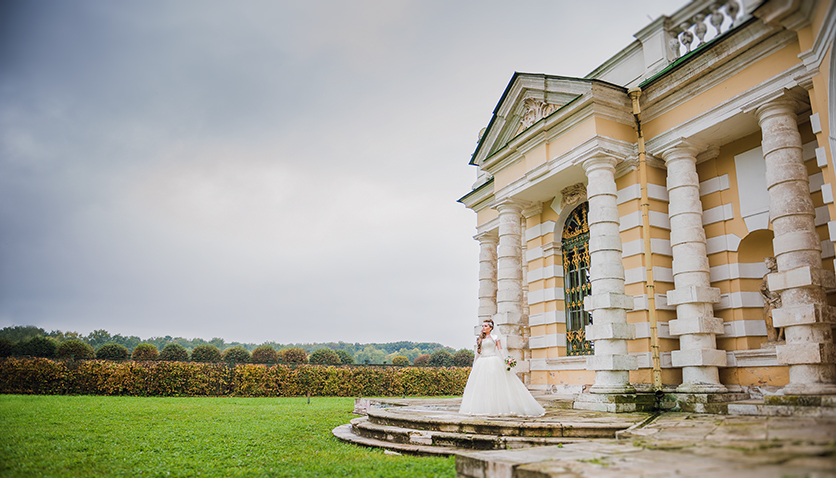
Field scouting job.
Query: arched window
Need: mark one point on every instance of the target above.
(576, 280)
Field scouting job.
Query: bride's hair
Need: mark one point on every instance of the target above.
(482, 335)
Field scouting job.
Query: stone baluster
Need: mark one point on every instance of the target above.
(607, 303)
(804, 314)
(692, 295)
(682, 36)
(509, 294)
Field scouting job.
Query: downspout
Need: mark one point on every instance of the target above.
(635, 94)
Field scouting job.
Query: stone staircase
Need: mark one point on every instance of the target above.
(433, 427)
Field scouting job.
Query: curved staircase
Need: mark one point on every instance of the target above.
(433, 427)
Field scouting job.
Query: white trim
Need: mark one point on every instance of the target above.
(643, 330)
(575, 362)
(827, 193)
(738, 300)
(808, 151)
(740, 270)
(640, 302)
(821, 157)
(639, 274)
(546, 341)
(765, 357)
(814, 57)
(713, 185)
(757, 222)
(533, 253)
(815, 123)
(657, 246)
(645, 359)
(717, 214)
(633, 191)
(633, 220)
(822, 215)
(539, 230)
(542, 273)
(744, 328)
(827, 249)
(816, 182)
(725, 243)
(547, 318)
(545, 295)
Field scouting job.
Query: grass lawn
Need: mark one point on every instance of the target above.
(133, 436)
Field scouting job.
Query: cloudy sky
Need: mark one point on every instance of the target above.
(262, 170)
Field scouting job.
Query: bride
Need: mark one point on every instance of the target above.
(491, 388)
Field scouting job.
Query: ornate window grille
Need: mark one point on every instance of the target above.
(576, 280)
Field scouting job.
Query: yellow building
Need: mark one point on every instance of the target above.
(627, 219)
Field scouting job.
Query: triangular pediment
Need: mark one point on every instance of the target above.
(527, 99)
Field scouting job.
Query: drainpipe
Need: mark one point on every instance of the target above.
(635, 93)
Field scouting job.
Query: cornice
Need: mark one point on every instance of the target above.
(481, 195)
(814, 57)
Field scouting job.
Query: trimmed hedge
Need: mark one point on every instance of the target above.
(191, 379)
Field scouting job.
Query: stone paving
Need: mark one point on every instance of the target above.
(645, 444)
(677, 444)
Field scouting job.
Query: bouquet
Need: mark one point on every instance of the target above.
(510, 362)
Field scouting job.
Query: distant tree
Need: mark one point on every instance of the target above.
(112, 351)
(75, 349)
(97, 338)
(345, 357)
(6, 347)
(145, 351)
(325, 357)
(174, 353)
(236, 354)
(217, 342)
(294, 355)
(206, 353)
(400, 361)
(36, 347)
(440, 358)
(371, 354)
(21, 333)
(421, 360)
(463, 358)
(265, 354)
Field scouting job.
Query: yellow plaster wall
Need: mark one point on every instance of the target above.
(747, 78)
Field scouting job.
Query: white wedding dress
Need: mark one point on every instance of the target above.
(493, 390)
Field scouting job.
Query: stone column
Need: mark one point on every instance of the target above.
(509, 277)
(487, 275)
(804, 313)
(692, 295)
(607, 303)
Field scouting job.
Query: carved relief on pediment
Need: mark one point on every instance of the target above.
(534, 110)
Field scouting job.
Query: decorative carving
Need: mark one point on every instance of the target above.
(771, 300)
(572, 195)
(535, 110)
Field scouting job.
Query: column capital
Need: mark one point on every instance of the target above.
(509, 204)
(599, 160)
(782, 103)
(487, 237)
(679, 148)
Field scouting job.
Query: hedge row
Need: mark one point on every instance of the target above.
(189, 379)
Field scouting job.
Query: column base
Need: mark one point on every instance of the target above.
(701, 388)
(614, 402)
(612, 389)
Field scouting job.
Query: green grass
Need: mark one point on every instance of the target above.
(67, 436)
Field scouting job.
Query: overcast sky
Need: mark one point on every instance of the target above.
(262, 170)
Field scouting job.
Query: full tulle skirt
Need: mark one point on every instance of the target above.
(493, 390)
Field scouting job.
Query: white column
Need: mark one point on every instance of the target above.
(607, 303)
(487, 275)
(804, 313)
(509, 294)
(692, 295)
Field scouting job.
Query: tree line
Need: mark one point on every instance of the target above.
(34, 341)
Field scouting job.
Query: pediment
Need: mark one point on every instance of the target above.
(528, 99)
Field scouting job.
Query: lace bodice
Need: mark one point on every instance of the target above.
(488, 347)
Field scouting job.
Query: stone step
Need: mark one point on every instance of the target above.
(556, 424)
(786, 406)
(366, 428)
(346, 434)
